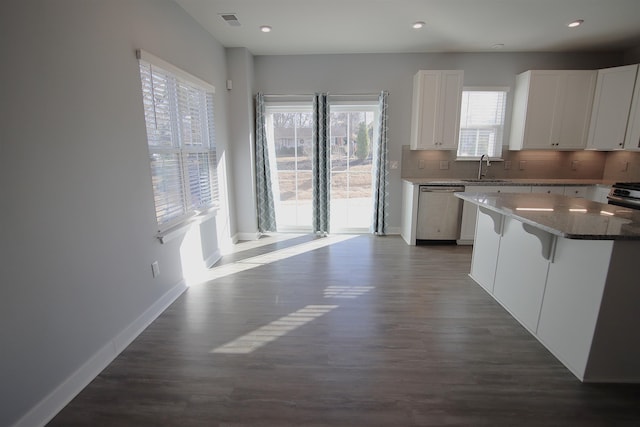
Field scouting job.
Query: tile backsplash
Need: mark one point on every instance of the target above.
(615, 166)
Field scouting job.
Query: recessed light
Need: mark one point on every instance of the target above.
(418, 25)
(265, 29)
(575, 23)
(497, 46)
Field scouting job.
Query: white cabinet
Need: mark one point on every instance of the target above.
(611, 106)
(521, 273)
(483, 264)
(551, 109)
(573, 296)
(598, 193)
(548, 189)
(470, 211)
(632, 138)
(409, 212)
(576, 191)
(435, 116)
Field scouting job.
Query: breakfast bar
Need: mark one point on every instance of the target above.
(565, 269)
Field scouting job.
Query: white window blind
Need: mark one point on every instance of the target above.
(482, 123)
(180, 134)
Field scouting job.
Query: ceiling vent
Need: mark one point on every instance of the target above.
(230, 19)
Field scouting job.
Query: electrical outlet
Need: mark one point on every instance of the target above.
(523, 164)
(444, 164)
(574, 165)
(625, 167)
(155, 269)
(421, 164)
(507, 165)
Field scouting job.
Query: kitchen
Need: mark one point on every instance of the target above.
(78, 250)
(557, 254)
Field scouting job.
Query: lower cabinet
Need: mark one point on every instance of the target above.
(483, 264)
(577, 297)
(580, 192)
(548, 189)
(521, 272)
(573, 297)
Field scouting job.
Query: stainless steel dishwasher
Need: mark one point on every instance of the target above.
(439, 213)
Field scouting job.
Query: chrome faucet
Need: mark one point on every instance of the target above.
(480, 174)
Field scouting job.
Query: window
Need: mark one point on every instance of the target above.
(482, 122)
(180, 134)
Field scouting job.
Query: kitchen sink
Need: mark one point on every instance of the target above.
(485, 180)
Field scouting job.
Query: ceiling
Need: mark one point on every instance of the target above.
(380, 26)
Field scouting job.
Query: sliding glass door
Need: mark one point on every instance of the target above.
(353, 139)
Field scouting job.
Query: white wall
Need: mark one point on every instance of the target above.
(240, 70)
(394, 72)
(78, 219)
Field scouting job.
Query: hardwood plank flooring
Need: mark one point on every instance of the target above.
(367, 331)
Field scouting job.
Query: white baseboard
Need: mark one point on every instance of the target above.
(465, 242)
(393, 230)
(212, 259)
(247, 236)
(53, 403)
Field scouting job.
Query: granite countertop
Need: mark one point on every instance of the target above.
(505, 181)
(563, 216)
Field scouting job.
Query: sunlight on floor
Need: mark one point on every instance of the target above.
(257, 261)
(274, 330)
(262, 241)
(346, 291)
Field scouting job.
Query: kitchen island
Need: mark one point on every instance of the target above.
(565, 269)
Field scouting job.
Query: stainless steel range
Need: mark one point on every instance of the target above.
(626, 194)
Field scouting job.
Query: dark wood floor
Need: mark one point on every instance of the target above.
(413, 341)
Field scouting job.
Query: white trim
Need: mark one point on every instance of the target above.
(167, 66)
(54, 402)
(393, 231)
(212, 259)
(180, 229)
(246, 236)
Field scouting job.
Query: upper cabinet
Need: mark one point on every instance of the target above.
(551, 109)
(632, 138)
(435, 117)
(611, 106)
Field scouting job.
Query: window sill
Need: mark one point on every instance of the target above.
(181, 228)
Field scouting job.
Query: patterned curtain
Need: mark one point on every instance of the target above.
(264, 191)
(381, 174)
(320, 164)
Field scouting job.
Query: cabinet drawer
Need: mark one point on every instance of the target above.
(573, 191)
(548, 189)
